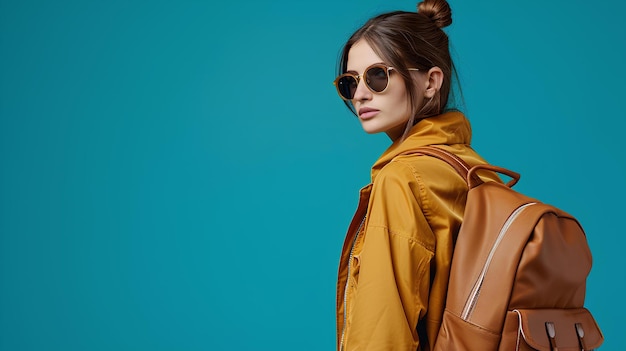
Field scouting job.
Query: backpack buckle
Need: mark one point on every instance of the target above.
(551, 336)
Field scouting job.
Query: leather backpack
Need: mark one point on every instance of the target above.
(518, 274)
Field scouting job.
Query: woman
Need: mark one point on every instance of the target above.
(395, 75)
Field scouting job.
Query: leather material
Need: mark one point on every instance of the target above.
(525, 330)
(517, 265)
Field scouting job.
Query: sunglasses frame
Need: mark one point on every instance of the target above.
(357, 78)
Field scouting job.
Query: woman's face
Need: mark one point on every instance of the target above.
(386, 112)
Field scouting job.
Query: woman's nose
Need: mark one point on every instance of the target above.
(362, 92)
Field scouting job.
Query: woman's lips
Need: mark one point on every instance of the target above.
(367, 113)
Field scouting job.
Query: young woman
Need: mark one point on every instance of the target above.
(395, 74)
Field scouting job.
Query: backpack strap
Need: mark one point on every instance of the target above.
(466, 171)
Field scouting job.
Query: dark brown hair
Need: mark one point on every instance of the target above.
(411, 40)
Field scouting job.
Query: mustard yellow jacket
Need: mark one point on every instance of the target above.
(395, 262)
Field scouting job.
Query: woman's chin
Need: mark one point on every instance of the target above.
(371, 128)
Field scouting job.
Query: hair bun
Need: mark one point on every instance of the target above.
(437, 10)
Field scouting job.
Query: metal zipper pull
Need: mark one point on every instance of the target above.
(551, 336)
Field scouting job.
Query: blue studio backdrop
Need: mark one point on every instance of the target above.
(179, 175)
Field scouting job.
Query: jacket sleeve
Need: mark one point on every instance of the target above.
(394, 273)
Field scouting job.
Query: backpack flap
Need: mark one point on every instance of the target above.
(562, 329)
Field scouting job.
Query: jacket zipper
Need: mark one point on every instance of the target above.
(345, 291)
(473, 297)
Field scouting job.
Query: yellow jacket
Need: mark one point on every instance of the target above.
(395, 262)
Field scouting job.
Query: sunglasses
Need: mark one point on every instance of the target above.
(376, 80)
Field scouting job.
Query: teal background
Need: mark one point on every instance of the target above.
(180, 175)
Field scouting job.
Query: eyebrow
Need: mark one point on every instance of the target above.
(375, 63)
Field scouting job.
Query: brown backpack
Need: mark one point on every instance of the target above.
(518, 273)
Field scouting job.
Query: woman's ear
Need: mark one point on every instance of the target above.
(433, 82)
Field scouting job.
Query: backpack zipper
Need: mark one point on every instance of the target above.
(345, 291)
(473, 297)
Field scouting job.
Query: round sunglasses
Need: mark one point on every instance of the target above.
(376, 80)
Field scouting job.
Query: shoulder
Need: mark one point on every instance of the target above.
(422, 178)
(433, 183)
(421, 169)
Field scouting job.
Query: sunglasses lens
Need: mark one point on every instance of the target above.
(346, 86)
(376, 78)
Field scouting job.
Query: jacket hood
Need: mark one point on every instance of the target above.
(445, 129)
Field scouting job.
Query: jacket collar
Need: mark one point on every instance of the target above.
(445, 129)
